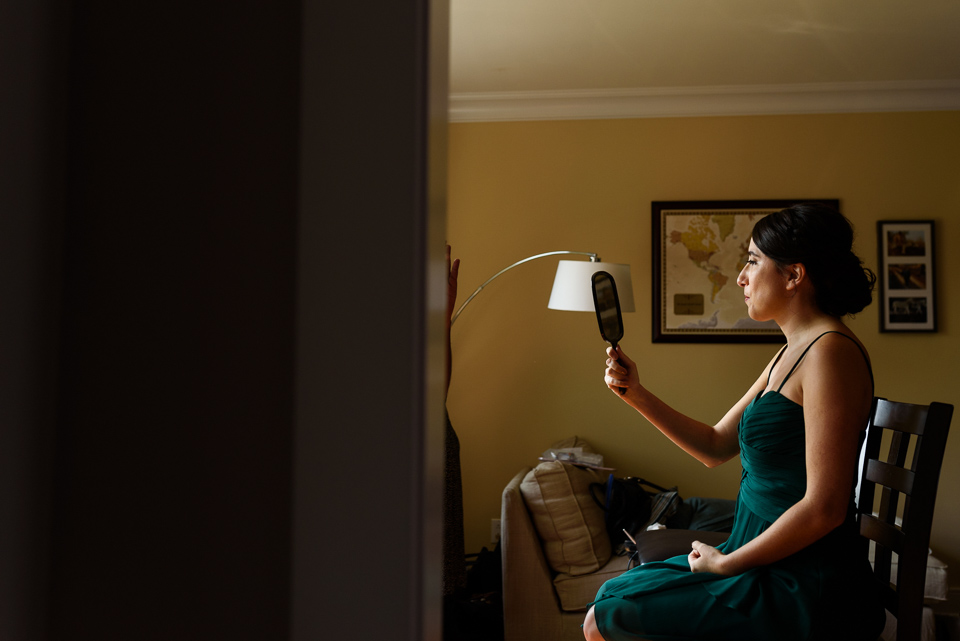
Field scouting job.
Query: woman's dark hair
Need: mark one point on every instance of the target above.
(822, 239)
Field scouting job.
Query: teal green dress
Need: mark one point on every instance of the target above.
(821, 593)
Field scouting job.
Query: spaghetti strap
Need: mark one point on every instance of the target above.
(775, 361)
(795, 365)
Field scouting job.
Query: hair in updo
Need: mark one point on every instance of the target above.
(822, 239)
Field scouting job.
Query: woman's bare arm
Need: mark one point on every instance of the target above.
(709, 444)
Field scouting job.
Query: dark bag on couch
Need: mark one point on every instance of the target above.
(627, 505)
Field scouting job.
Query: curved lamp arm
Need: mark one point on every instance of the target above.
(593, 259)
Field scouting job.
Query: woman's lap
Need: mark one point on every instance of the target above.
(680, 613)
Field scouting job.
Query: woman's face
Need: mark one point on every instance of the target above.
(764, 285)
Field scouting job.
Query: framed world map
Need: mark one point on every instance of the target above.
(699, 248)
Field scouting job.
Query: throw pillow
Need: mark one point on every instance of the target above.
(567, 519)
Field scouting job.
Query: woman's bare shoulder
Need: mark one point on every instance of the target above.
(837, 361)
(839, 344)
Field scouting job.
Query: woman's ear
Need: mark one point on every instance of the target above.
(796, 274)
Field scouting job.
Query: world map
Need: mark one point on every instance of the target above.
(702, 256)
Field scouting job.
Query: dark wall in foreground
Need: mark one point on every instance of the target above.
(173, 461)
(182, 430)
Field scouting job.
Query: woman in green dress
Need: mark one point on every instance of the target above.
(794, 567)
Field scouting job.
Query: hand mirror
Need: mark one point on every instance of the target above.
(607, 304)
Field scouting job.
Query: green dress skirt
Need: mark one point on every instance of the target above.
(823, 592)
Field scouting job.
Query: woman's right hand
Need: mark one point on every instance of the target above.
(621, 373)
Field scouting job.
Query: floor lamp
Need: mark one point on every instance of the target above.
(572, 288)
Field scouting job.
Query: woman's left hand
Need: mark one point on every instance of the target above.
(453, 271)
(706, 558)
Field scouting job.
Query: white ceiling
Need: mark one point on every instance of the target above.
(522, 59)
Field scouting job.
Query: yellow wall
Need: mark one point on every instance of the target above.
(525, 376)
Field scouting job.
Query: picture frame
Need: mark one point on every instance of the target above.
(907, 278)
(699, 248)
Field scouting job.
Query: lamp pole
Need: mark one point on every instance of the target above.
(593, 259)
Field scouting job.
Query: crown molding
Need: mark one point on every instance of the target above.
(733, 100)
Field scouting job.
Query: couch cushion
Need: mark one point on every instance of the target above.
(568, 521)
(575, 592)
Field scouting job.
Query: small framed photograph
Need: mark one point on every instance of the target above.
(906, 275)
(699, 248)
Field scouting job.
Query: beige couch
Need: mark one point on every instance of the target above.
(556, 553)
(540, 604)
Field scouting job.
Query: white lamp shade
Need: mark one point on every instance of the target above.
(573, 289)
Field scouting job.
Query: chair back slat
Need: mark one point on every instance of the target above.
(902, 417)
(886, 539)
(904, 529)
(891, 476)
(889, 536)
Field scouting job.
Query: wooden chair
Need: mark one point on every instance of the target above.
(904, 530)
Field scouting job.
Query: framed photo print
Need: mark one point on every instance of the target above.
(699, 248)
(906, 264)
